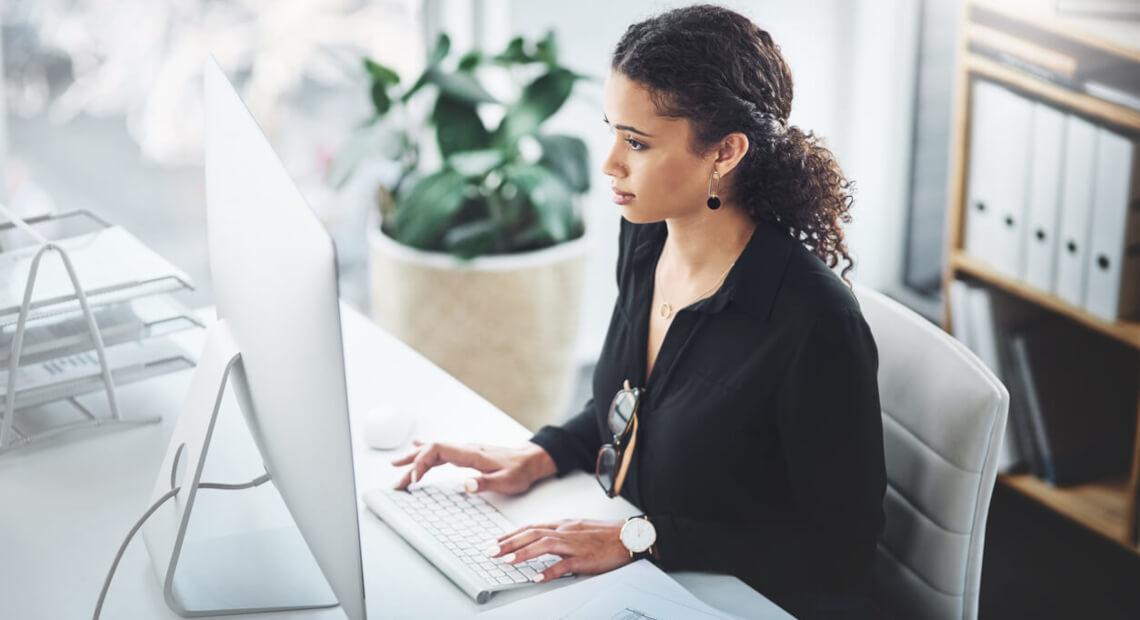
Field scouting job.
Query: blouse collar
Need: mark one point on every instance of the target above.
(752, 284)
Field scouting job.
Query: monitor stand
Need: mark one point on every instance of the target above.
(244, 572)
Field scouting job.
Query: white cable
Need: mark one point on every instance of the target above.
(260, 480)
(256, 482)
(118, 556)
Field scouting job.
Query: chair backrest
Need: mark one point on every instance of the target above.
(944, 415)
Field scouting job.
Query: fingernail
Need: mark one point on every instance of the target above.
(537, 578)
(493, 550)
(413, 476)
(509, 558)
(471, 485)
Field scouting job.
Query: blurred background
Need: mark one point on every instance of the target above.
(104, 105)
(103, 112)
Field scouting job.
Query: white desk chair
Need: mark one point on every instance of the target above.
(944, 415)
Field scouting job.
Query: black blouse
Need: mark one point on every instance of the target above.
(760, 451)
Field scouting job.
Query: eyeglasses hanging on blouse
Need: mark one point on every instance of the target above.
(613, 458)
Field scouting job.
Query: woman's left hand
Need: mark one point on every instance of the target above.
(587, 547)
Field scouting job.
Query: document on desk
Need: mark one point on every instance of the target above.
(637, 591)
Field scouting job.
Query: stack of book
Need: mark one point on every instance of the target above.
(1072, 416)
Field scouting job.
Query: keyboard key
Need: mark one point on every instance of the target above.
(506, 581)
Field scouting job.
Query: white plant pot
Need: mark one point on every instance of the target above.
(506, 325)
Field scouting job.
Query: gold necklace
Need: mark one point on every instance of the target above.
(666, 309)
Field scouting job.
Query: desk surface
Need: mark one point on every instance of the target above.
(66, 505)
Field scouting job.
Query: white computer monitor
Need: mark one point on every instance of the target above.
(278, 345)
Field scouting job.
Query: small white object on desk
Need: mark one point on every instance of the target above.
(388, 427)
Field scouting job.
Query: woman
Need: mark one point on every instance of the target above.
(750, 432)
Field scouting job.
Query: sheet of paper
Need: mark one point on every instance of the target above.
(105, 261)
(626, 601)
(66, 334)
(633, 592)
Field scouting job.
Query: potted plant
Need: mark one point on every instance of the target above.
(477, 256)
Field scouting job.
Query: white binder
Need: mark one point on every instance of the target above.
(1113, 276)
(1076, 209)
(1000, 142)
(1045, 175)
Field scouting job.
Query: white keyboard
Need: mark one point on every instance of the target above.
(453, 530)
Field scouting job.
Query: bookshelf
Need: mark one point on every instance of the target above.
(1061, 49)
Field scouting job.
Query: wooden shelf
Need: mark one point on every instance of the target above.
(1125, 332)
(1100, 506)
(1081, 103)
(1119, 37)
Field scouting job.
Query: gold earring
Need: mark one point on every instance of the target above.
(714, 187)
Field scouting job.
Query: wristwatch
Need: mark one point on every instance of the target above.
(638, 535)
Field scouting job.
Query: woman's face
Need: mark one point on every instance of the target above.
(653, 172)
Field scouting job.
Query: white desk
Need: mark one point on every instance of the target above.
(65, 507)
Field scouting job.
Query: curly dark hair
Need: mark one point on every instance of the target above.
(724, 74)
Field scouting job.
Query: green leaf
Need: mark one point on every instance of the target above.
(568, 158)
(380, 73)
(471, 239)
(364, 145)
(425, 212)
(470, 60)
(514, 54)
(552, 202)
(540, 99)
(458, 126)
(420, 82)
(476, 163)
(531, 237)
(439, 52)
(380, 99)
(546, 50)
(458, 85)
(461, 86)
(394, 144)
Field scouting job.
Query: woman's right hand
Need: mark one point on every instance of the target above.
(504, 470)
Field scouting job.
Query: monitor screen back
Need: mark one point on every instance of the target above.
(274, 272)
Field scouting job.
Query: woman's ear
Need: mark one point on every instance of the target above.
(731, 150)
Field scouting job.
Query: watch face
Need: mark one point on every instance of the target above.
(638, 535)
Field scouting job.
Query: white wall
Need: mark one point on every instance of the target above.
(853, 86)
(878, 126)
